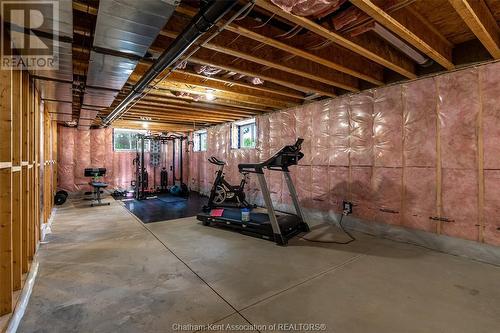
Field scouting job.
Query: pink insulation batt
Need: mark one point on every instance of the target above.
(414, 155)
(80, 149)
(381, 149)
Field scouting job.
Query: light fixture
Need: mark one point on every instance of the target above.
(209, 95)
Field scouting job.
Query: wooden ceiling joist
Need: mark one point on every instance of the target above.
(162, 106)
(160, 109)
(340, 60)
(145, 112)
(180, 86)
(411, 29)
(372, 49)
(84, 8)
(200, 84)
(229, 63)
(315, 78)
(185, 105)
(139, 116)
(157, 115)
(154, 125)
(479, 19)
(266, 56)
(275, 90)
(219, 102)
(268, 88)
(143, 115)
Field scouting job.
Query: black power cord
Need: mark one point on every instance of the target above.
(352, 238)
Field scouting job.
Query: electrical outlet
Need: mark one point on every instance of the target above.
(346, 207)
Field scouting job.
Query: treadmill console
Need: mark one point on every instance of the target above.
(286, 156)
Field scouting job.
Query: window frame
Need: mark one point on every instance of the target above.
(131, 149)
(197, 142)
(236, 134)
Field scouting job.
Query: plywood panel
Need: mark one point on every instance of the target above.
(494, 6)
(445, 19)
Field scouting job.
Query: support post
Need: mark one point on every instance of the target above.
(278, 237)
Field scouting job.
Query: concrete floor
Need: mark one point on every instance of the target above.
(101, 270)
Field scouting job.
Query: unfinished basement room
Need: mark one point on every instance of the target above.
(250, 166)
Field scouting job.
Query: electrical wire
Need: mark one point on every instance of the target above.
(246, 13)
(352, 238)
(265, 23)
(319, 46)
(285, 34)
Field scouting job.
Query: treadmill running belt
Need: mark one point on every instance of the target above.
(235, 214)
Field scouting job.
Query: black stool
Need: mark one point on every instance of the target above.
(96, 194)
(96, 173)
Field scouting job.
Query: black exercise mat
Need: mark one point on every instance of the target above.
(169, 198)
(156, 210)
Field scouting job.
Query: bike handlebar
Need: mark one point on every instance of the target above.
(216, 161)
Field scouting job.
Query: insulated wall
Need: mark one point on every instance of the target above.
(80, 149)
(421, 155)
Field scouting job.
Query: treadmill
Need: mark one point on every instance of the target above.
(271, 226)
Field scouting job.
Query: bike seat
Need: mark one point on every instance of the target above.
(216, 161)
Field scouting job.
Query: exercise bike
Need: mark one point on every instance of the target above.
(224, 194)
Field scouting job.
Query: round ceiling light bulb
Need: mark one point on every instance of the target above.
(210, 95)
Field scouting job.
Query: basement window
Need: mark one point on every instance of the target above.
(125, 140)
(244, 134)
(200, 141)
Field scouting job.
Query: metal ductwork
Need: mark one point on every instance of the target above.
(125, 30)
(56, 86)
(206, 18)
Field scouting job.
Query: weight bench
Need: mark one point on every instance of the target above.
(96, 173)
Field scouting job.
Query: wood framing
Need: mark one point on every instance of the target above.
(246, 90)
(26, 143)
(17, 179)
(243, 48)
(189, 84)
(227, 62)
(339, 60)
(479, 19)
(410, 29)
(6, 267)
(374, 50)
